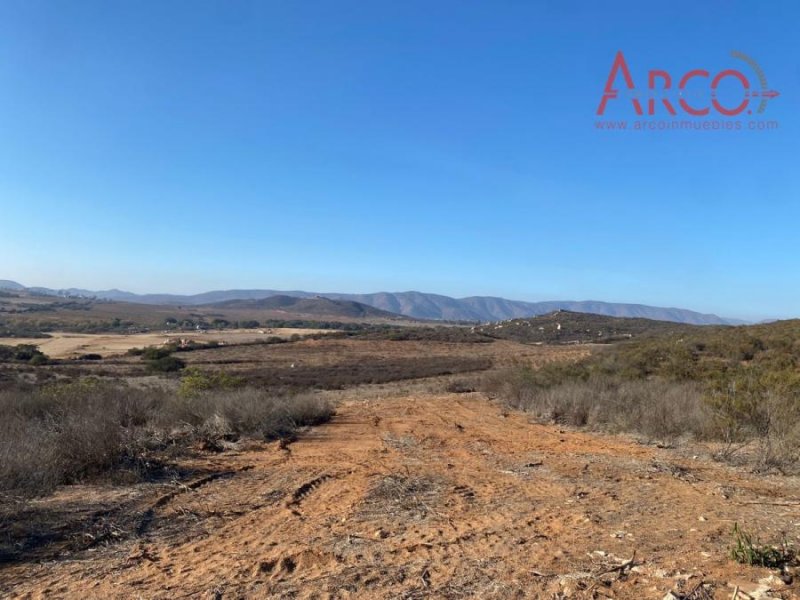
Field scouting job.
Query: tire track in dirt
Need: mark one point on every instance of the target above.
(434, 496)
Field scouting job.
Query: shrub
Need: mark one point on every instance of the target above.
(166, 364)
(460, 386)
(159, 358)
(67, 433)
(27, 353)
(749, 551)
(195, 381)
(755, 404)
(735, 385)
(38, 359)
(657, 409)
(157, 353)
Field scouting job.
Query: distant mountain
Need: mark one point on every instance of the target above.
(317, 306)
(488, 308)
(5, 284)
(417, 305)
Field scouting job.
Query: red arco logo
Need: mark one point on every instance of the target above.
(660, 83)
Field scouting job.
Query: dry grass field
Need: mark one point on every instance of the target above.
(72, 345)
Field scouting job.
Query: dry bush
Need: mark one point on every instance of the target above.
(761, 406)
(246, 411)
(461, 386)
(402, 497)
(66, 433)
(749, 407)
(658, 409)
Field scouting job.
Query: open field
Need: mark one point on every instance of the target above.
(424, 484)
(71, 345)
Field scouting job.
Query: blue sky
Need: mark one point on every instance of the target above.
(442, 146)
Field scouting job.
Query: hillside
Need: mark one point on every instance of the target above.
(566, 327)
(711, 354)
(13, 286)
(417, 305)
(316, 307)
(490, 308)
(27, 315)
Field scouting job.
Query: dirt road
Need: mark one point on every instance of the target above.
(437, 496)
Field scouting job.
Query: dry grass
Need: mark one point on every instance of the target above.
(403, 497)
(750, 423)
(66, 433)
(657, 409)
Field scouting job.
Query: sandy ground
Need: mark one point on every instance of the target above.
(414, 495)
(71, 345)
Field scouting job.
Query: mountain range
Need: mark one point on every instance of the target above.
(417, 305)
(318, 305)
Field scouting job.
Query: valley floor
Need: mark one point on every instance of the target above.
(412, 494)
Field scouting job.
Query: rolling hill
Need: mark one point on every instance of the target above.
(566, 327)
(317, 306)
(417, 305)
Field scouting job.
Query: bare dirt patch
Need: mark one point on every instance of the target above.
(72, 345)
(423, 495)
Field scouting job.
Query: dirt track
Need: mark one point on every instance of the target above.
(436, 496)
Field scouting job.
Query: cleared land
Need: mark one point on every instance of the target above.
(418, 494)
(71, 345)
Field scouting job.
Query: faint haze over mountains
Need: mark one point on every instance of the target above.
(361, 146)
(414, 304)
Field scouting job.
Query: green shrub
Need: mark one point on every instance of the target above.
(749, 551)
(735, 385)
(166, 364)
(156, 352)
(26, 353)
(195, 382)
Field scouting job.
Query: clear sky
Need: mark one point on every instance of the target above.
(448, 147)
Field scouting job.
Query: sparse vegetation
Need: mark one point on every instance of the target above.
(402, 497)
(160, 359)
(70, 432)
(566, 327)
(195, 382)
(657, 409)
(22, 353)
(21, 330)
(738, 386)
(452, 334)
(344, 374)
(748, 550)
